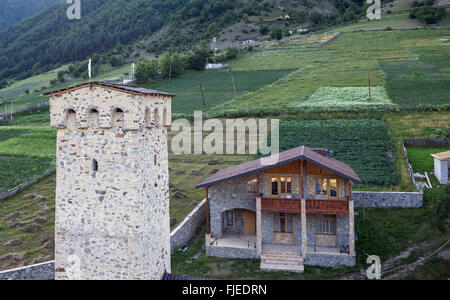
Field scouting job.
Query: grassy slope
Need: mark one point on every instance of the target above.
(343, 63)
(421, 156)
(217, 87)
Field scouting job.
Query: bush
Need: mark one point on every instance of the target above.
(427, 14)
(264, 30)
(277, 34)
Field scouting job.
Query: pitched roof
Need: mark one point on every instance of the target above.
(442, 155)
(285, 157)
(121, 87)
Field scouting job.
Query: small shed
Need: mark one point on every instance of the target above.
(442, 166)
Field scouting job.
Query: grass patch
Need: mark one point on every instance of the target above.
(421, 156)
(31, 142)
(348, 97)
(32, 247)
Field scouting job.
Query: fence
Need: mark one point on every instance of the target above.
(5, 115)
(21, 187)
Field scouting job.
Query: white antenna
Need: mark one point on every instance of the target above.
(90, 68)
(132, 71)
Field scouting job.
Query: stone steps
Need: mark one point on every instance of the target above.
(282, 261)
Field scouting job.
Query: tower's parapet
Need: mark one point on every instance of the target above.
(112, 182)
(104, 106)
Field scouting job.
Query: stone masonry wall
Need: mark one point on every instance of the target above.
(388, 199)
(43, 271)
(112, 194)
(226, 252)
(228, 196)
(181, 235)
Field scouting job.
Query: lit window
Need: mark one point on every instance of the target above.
(281, 185)
(252, 186)
(327, 186)
(275, 186)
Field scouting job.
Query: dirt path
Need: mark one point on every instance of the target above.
(389, 271)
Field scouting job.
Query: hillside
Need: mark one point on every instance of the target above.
(14, 11)
(49, 39)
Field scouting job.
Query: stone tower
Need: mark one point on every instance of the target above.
(112, 183)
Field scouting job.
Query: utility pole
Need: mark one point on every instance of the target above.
(203, 96)
(370, 92)
(234, 82)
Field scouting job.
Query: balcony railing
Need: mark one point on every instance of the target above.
(314, 207)
(334, 207)
(281, 205)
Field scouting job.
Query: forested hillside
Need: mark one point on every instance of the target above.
(14, 11)
(49, 39)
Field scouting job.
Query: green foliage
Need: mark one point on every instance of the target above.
(172, 65)
(199, 57)
(264, 30)
(427, 14)
(147, 70)
(363, 144)
(276, 34)
(12, 12)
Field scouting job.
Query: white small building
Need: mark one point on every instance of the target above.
(442, 166)
(214, 66)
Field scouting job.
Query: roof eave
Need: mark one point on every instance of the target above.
(353, 179)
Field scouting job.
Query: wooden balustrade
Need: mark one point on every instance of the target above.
(334, 207)
(281, 205)
(284, 205)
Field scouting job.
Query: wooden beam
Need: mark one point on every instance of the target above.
(350, 198)
(208, 231)
(301, 179)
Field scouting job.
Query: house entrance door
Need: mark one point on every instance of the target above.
(249, 222)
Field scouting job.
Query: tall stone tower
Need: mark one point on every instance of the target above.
(112, 182)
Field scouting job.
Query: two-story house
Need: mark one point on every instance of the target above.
(294, 212)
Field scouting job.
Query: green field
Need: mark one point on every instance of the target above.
(345, 62)
(363, 144)
(25, 152)
(217, 87)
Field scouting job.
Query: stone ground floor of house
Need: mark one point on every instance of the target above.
(284, 241)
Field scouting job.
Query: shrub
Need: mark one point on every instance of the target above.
(427, 14)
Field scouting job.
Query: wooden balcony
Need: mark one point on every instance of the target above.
(313, 207)
(279, 205)
(323, 207)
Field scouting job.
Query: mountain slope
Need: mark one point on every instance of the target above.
(14, 11)
(49, 39)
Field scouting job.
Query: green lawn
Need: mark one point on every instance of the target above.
(422, 159)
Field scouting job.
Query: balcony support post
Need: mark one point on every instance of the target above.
(304, 233)
(258, 226)
(351, 221)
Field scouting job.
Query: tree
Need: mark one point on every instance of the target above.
(277, 33)
(264, 30)
(427, 14)
(61, 76)
(146, 70)
(171, 65)
(199, 57)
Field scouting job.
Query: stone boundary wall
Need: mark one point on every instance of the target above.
(332, 261)
(226, 252)
(19, 188)
(427, 142)
(181, 235)
(387, 199)
(42, 271)
(5, 115)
